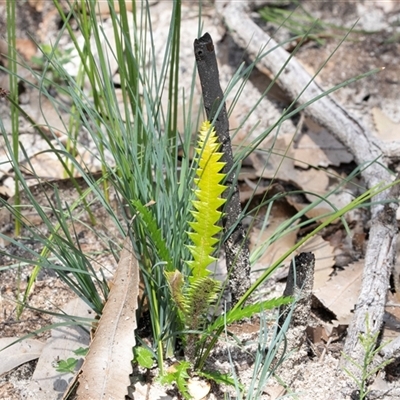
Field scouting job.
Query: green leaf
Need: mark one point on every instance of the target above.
(201, 293)
(143, 356)
(67, 366)
(154, 233)
(248, 311)
(82, 351)
(179, 376)
(221, 379)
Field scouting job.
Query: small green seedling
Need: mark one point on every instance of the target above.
(82, 351)
(67, 366)
(143, 356)
(178, 375)
(366, 369)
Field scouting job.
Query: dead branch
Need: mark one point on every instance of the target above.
(299, 284)
(330, 114)
(391, 350)
(236, 246)
(379, 261)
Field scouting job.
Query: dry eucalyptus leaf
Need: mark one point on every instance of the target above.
(37, 4)
(105, 372)
(324, 259)
(275, 392)
(18, 353)
(340, 293)
(276, 162)
(312, 180)
(387, 129)
(44, 165)
(280, 213)
(47, 383)
(153, 392)
(319, 148)
(26, 48)
(45, 113)
(320, 210)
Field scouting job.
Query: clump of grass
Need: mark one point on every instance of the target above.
(302, 24)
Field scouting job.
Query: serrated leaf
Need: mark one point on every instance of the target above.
(178, 375)
(248, 311)
(143, 356)
(208, 201)
(200, 294)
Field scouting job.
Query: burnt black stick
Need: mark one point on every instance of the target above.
(236, 245)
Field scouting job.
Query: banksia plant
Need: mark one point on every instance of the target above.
(194, 295)
(208, 203)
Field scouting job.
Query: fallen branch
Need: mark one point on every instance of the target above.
(327, 112)
(379, 261)
(391, 350)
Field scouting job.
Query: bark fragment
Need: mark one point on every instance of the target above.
(299, 284)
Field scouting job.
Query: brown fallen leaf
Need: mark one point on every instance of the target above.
(340, 293)
(26, 48)
(387, 129)
(18, 353)
(105, 372)
(324, 259)
(47, 383)
(37, 5)
(198, 388)
(259, 238)
(317, 147)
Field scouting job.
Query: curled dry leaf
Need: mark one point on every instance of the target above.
(105, 372)
(18, 353)
(317, 147)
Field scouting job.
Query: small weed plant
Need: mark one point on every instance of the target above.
(365, 371)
